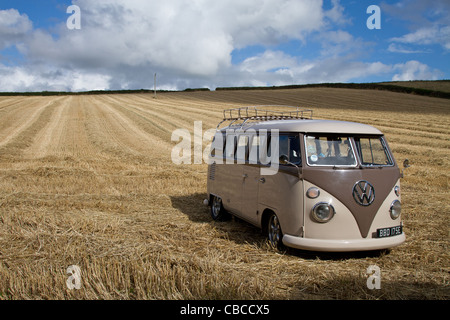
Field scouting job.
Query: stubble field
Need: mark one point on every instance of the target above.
(88, 180)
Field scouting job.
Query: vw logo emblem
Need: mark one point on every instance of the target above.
(363, 193)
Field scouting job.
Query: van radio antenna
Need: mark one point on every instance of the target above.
(154, 86)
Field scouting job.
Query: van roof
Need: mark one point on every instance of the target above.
(310, 126)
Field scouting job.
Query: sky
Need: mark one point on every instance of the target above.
(121, 44)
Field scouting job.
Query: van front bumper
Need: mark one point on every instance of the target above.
(343, 245)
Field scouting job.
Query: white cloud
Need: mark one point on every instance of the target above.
(12, 22)
(268, 61)
(342, 69)
(429, 22)
(127, 41)
(338, 42)
(336, 14)
(427, 36)
(414, 70)
(84, 81)
(278, 68)
(13, 27)
(194, 37)
(188, 43)
(24, 79)
(265, 22)
(11, 79)
(396, 48)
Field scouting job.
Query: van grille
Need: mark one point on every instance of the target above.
(212, 171)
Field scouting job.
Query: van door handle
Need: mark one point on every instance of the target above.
(245, 175)
(263, 180)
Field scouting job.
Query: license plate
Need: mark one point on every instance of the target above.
(389, 232)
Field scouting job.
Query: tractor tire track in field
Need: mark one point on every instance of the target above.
(168, 114)
(21, 136)
(122, 134)
(25, 119)
(159, 116)
(50, 136)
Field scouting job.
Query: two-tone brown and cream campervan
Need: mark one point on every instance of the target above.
(317, 185)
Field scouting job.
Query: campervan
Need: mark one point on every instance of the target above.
(320, 185)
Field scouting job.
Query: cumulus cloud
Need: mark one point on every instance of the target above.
(188, 43)
(414, 70)
(397, 48)
(24, 78)
(429, 23)
(13, 27)
(427, 36)
(196, 37)
(279, 68)
(190, 39)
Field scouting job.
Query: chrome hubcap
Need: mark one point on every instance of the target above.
(274, 231)
(216, 206)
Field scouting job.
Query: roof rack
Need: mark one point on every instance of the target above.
(265, 113)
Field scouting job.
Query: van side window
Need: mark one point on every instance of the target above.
(218, 146)
(242, 148)
(258, 149)
(213, 150)
(289, 145)
(230, 146)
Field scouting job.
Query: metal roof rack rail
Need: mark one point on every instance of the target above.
(265, 113)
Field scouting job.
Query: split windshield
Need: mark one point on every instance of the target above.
(324, 150)
(373, 151)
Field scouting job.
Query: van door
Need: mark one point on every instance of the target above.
(283, 192)
(254, 182)
(249, 179)
(231, 177)
(250, 193)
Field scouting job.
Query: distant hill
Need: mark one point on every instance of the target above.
(437, 88)
(438, 85)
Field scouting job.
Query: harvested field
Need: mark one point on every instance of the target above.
(87, 180)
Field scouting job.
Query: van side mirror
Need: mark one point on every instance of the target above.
(405, 165)
(283, 159)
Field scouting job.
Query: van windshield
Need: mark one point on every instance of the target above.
(373, 151)
(329, 151)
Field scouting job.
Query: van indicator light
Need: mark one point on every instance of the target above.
(313, 193)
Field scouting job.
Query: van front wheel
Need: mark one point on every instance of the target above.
(274, 232)
(218, 213)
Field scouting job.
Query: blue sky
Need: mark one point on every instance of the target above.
(204, 43)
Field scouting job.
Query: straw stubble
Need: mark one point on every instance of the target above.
(87, 180)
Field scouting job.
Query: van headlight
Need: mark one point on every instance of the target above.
(323, 212)
(396, 209)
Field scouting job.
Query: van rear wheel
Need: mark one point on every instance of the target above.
(218, 213)
(274, 232)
